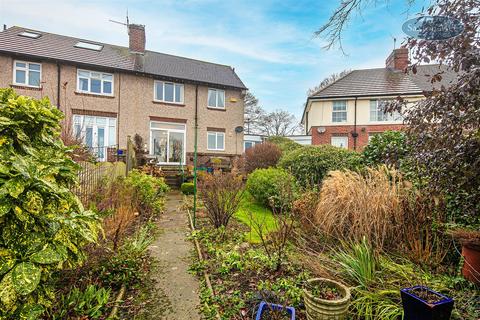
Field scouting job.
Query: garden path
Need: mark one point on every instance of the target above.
(173, 251)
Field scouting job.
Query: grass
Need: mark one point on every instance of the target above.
(250, 209)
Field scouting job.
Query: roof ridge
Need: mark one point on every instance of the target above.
(116, 45)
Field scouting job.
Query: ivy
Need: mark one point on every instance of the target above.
(43, 226)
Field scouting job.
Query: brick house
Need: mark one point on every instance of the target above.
(349, 111)
(109, 92)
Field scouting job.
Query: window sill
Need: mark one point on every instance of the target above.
(98, 95)
(173, 104)
(217, 109)
(217, 150)
(26, 87)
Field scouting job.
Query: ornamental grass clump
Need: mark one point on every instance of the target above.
(43, 225)
(378, 205)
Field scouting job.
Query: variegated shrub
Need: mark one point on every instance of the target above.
(43, 226)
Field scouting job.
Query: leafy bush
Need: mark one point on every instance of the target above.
(149, 191)
(44, 226)
(187, 188)
(389, 147)
(310, 164)
(263, 155)
(304, 208)
(77, 304)
(266, 186)
(221, 195)
(285, 144)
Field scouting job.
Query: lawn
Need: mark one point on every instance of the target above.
(250, 209)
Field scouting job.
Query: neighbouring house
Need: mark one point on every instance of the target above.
(349, 111)
(109, 92)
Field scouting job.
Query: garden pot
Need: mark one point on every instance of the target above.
(322, 309)
(471, 265)
(265, 307)
(416, 308)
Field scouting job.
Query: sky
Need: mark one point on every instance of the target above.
(269, 43)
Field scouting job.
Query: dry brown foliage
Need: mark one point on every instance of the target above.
(303, 209)
(381, 206)
(263, 155)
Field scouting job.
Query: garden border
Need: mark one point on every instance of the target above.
(200, 257)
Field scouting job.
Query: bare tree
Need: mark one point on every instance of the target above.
(328, 80)
(253, 114)
(279, 123)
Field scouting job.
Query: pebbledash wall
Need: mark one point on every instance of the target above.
(134, 107)
(322, 128)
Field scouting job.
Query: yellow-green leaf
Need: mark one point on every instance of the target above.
(26, 277)
(47, 255)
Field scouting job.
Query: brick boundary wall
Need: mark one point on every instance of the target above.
(362, 130)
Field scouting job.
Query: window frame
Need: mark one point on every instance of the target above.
(336, 112)
(395, 117)
(184, 131)
(27, 73)
(216, 133)
(340, 136)
(111, 123)
(182, 95)
(216, 99)
(89, 91)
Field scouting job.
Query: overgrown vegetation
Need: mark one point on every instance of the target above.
(44, 226)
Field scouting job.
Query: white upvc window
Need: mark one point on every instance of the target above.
(378, 114)
(216, 98)
(94, 82)
(339, 111)
(248, 144)
(168, 92)
(168, 142)
(27, 73)
(216, 140)
(97, 133)
(339, 141)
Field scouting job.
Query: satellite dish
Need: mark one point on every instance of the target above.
(239, 129)
(321, 129)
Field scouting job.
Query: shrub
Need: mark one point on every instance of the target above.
(304, 208)
(263, 155)
(286, 145)
(221, 195)
(379, 205)
(389, 147)
(44, 226)
(310, 164)
(149, 191)
(266, 185)
(187, 188)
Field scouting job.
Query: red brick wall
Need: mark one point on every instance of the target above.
(136, 33)
(362, 138)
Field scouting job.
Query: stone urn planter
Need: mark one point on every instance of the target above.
(326, 299)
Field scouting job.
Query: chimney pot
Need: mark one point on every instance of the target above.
(136, 35)
(398, 59)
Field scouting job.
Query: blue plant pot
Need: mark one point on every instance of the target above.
(416, 308)
(264, 306)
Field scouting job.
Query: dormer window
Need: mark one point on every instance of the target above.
(30, 34)
(89, 46)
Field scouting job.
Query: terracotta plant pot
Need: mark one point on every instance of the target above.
(471, 266)
(321, 309)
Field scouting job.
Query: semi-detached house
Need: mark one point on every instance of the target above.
(348, 112)
(109, 92)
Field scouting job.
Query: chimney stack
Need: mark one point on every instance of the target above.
(398, 59)
(136, 35)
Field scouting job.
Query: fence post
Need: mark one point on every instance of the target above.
(130, 157)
